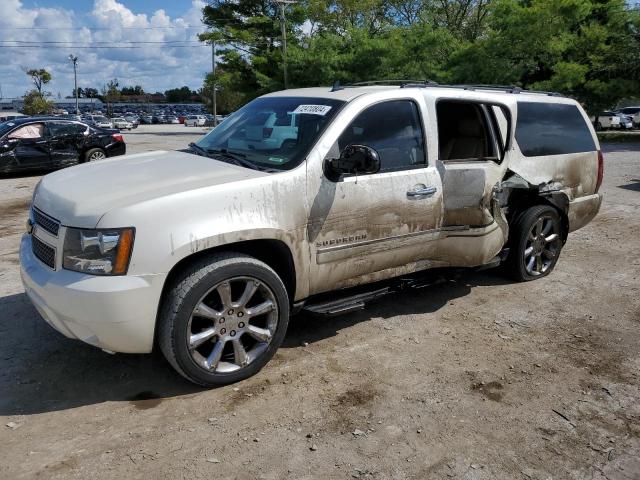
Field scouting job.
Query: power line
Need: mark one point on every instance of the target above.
(71, 43)
(98, 46)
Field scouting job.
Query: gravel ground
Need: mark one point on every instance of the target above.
(475, 378)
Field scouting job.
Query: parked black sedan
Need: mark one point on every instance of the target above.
(31, 143)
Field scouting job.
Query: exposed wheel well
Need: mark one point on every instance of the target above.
(522, 199)
(274, 253)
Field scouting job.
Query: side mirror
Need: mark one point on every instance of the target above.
(355, 159)
(8, 144)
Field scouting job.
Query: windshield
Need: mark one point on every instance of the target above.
(272, 132)
(6, 127)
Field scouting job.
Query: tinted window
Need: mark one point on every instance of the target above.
(57, 129)
(392, 129)
(552, 129)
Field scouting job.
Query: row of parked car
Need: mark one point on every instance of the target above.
(627, 118)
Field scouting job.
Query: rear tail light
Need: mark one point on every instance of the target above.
(600, 170)
(266, 132)
(117, 137)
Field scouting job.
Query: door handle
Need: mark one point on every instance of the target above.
(422, 192)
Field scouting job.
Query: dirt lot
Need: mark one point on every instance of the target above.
(476, 378)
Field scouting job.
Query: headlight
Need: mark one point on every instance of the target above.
(98, 252)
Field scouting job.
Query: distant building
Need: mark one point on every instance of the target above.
(17, 104)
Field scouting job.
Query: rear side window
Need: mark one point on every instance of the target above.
(552, 129)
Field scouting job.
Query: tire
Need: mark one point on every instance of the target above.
(545, 248)
(194, 305)
(94, 154)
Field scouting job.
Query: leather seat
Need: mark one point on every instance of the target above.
(468, 142)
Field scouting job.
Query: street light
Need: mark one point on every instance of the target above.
(75, 79)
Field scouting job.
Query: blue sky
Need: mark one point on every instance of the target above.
(172, 8)
(147, 43)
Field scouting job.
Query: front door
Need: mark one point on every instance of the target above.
(30, 148)
(369, 227)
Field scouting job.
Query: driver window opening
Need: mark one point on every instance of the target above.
(465, 132)
(34, 130)
(394, 130)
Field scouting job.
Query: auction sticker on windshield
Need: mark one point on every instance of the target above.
(312, 109)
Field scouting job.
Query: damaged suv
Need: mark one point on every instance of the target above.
(206, 254)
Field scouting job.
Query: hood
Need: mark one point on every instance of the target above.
(80, 195)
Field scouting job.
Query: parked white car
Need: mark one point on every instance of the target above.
(268, 131)
(607, 121)
(195, 121)
(207, 254)
(100, 121)
(634, 112)
(122, 123)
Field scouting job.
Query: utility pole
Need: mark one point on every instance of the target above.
(213, 87)
(283, 25)
(74, 59)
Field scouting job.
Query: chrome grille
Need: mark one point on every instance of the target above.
(43, 252)
(48, 223)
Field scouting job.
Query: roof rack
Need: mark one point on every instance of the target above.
(428, 83)
(403, 83)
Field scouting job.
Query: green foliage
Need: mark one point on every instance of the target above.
(589, 49)
(132, 91)
(36, 104)
(40, 77)
(180, 95)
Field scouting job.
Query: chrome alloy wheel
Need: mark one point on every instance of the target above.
(99, 155)
(543, 245)
(232, 325)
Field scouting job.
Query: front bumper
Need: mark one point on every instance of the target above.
(113, 313)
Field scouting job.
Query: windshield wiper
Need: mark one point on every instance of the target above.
(236, 157)
(198, 149)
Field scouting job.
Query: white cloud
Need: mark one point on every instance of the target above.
(155, 67)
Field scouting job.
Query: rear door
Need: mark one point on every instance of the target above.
(471, 147)
(65, 141)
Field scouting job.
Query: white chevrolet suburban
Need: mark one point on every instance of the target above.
(206, 254)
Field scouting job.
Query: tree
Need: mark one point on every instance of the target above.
(91, 92)
(578, 47)
(110, 93)
(588, 49)
(132, 91)
(36, 104)
(178, 95)
(39, 77)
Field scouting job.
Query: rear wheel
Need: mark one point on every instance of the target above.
(223, 319)
(94, 154)
(536, 243)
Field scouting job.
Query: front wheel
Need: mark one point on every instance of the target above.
(535, 243)
(223, 319)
